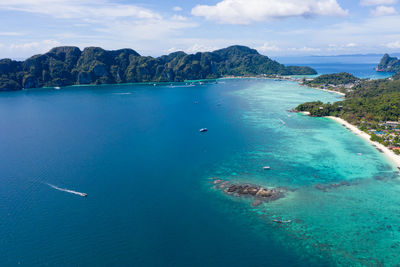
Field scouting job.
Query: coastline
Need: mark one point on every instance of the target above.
(389, 153)
(330, 91)
(326, 90)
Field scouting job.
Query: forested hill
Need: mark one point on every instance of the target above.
(370, 102)
(68, 65)
(389, 64)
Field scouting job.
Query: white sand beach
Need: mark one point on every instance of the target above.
(331, 91)
(389, 153)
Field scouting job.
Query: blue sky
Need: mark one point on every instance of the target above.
(273, 27)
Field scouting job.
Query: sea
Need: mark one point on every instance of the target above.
(137, 152)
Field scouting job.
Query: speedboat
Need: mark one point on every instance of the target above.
(266, 167)
(203, 130)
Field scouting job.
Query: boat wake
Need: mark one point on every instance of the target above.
(67, 190)
(122, 93)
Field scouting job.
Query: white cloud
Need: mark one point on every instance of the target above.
(351, 45)
(304, 49)
(383, 11)
(107, 21)
(79, 9)
(44, 45)
(11, 33)
(377, 2)
(394, 45)
(177, 8)
(247, 11)
(30, 48)
(179, 18)
(267, 47)
(200, 48)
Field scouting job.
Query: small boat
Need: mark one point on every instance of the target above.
(266, 167)
(57, 88)
(360, 154)
(203, 130)
(84, 194)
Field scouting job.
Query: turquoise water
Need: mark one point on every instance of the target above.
(137, 152)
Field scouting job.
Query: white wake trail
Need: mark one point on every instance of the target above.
(67, 190)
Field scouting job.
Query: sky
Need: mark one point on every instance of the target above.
(156, 27)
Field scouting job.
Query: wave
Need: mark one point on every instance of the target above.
(67, 190)
(122, 93)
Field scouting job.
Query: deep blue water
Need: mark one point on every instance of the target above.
(137, 151)
(142, 160)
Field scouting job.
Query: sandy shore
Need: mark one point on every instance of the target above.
(389, 153)
(330, 91)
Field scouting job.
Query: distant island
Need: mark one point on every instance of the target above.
(67, 65)
(389, 64)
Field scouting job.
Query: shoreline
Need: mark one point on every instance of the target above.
(330, 91)
(325, 90)
(389, 153)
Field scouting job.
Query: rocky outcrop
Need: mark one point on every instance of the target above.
(69, 65)
(389, 64)
(258, 193)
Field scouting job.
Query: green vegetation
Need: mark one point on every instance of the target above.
(372, 105)
(337, 81)
(63, 66)
(389, 64)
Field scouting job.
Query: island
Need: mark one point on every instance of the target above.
(370, 109)
(340, 82)
(68, 65)
(389, 64)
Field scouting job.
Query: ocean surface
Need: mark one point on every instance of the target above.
(136, 150)
(362, 66)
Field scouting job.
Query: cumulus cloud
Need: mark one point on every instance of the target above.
(383, 11)
(179, 18)
(351, 45)
(267, 47)
(122, 22)
(394, 45)
(177, 8)
(247, 11)
(33, 46)
(200, 48)
(377, 2)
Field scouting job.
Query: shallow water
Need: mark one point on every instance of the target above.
(137, 152)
